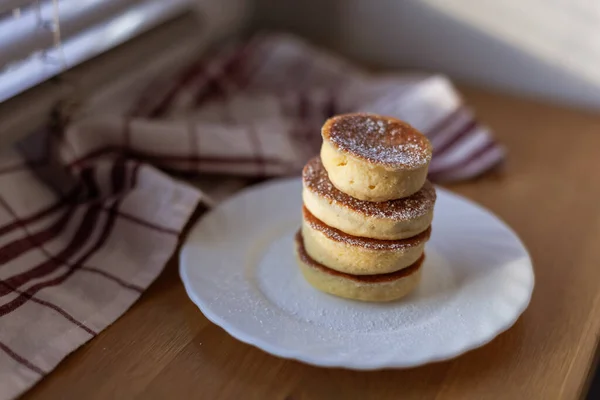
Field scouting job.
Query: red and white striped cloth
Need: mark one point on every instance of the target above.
(89, 214)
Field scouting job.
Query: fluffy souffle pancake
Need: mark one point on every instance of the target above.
(374, 158)
(356, 255)
(387, 220)
(383, 287)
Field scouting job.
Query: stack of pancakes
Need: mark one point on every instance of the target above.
(367, 208)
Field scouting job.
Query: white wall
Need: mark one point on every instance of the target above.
(542, 48)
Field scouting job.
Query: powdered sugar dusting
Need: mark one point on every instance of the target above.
(379, 140)
(315, 178)
(372, 244)
(281, 282)
(238, 266)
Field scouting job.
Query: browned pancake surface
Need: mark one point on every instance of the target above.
(315, 179)
(379, 140)
(373, 244)
(379, 278)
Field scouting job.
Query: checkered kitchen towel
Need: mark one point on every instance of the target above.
(90, 214)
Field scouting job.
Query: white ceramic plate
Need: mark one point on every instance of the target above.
(238, 267)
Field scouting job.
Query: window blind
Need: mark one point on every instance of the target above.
(42, 38)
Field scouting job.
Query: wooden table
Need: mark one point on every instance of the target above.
(550, 194)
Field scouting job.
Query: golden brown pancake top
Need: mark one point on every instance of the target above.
(377, 278)
(315, 179)
(379, 140)
(368, 243)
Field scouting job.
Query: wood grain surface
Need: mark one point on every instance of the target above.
(549, 193)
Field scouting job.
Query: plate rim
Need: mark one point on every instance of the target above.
(239, 334)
